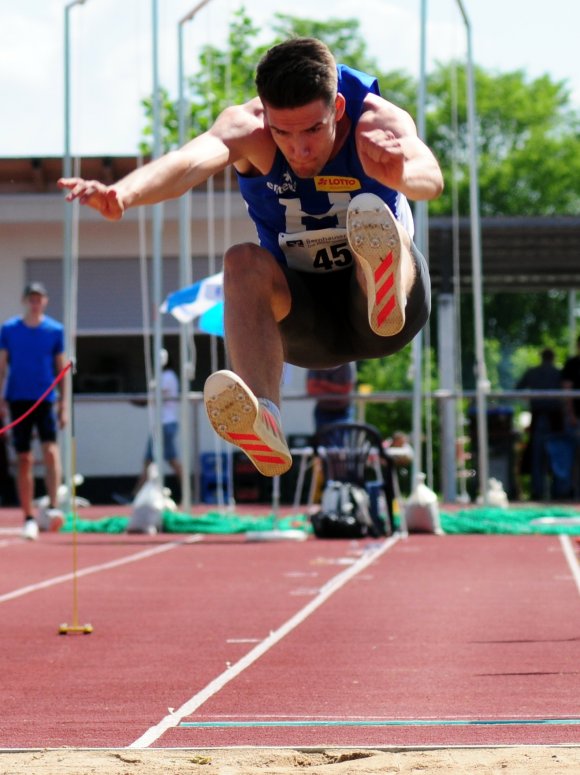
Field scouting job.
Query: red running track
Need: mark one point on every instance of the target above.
(427, 640)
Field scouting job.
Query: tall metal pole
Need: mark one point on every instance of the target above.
(68, 272)
(482, 382)
(185, 279)
(185, 276)
(421, 239)
(572, 315)
(157, 241)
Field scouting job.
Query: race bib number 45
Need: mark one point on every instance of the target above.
(325, 250)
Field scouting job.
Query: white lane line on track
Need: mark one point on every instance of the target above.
(13, 542)
(10, 536)
(442, 717)
(175, 716)
(570, 556)
(97, 568)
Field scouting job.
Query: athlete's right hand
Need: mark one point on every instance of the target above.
(100, 197)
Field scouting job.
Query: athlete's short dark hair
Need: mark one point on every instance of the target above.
(297, 72)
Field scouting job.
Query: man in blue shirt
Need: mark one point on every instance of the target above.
(31, 354)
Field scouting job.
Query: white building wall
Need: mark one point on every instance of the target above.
(110, 435)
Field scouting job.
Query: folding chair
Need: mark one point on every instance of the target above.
(353, 452)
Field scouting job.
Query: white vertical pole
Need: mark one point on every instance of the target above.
(448, 421)
(421, 239)
(228, 237)
(68, 273)
(185, 279)
(482, 382)
(157, 240)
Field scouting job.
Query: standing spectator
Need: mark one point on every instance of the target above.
(547, 416)
(31, 354)
(339, 382)
(169, 422)
(571, 381)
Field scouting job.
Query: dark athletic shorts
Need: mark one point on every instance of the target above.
(42, 419)
(169, 430)
(328, 323)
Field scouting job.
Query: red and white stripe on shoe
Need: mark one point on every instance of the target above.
(385, 301)
(254, 446)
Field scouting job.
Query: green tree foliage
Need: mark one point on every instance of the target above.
(342, 36)
(223, 77)
(512, 321)
(528, 145)
(226, 76)
(528, 142)
(528, 135)
(389, 375)
(395, 374)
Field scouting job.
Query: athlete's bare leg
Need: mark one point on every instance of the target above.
(243, 405)
(257, 299)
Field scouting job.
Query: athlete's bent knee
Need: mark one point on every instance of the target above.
(240, 254)
(249, 262)
(252, 272)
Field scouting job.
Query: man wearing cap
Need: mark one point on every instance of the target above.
(31, 355)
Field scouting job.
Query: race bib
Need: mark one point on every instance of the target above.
(323, 250)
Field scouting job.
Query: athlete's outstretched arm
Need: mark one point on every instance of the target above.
(167, 177)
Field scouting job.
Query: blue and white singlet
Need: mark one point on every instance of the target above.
(302, 221)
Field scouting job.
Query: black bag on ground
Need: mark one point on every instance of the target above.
(344, 513)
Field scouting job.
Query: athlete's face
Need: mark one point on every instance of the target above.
(306, 135)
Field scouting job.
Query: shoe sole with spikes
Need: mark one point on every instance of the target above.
(374, 238)
(237, 416)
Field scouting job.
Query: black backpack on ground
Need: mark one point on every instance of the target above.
(344, 513)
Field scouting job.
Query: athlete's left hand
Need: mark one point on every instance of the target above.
(382, 156)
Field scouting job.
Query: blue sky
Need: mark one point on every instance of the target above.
(111, 55)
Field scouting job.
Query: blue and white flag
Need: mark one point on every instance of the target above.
(212, 321)
(203, 300)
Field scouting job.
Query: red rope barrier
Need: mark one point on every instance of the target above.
(39, 401)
